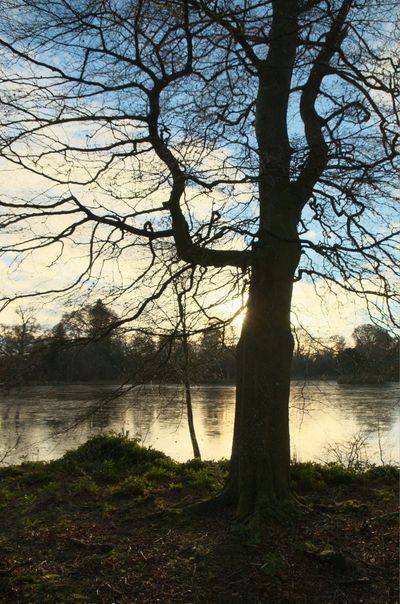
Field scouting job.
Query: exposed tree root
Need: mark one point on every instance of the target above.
(214, 504)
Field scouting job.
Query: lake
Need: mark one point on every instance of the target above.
(326, 419)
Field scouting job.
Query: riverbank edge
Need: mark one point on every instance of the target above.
(109, 522)
(337, 378)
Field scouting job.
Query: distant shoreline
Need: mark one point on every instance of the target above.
(341, 381)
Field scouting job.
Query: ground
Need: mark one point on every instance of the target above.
(111, 523)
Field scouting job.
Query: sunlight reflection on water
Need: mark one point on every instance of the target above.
(43, 422)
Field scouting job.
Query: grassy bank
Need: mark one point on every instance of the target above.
(90, 527)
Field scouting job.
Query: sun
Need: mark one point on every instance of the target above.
(236, 310)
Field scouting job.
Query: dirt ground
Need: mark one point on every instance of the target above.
(83, 530)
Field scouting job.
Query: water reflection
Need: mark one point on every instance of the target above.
(43, 422)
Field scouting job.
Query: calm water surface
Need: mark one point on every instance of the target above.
(41, 423)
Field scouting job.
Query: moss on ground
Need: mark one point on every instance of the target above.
(109, 522)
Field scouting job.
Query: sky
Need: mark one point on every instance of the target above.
(323, 313)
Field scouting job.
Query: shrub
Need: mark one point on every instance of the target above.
(383, 473)
(133, 486)
(108, 457)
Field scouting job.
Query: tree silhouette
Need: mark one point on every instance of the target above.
(20, 355)
(373, 359)
(252, 142)
(84, 346)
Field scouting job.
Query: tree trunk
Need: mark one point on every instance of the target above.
(259, 476)
(185, 376)
(189, 409)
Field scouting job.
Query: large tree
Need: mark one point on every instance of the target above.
(254, 140)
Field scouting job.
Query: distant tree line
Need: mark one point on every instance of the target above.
(87, 345)
(374, 357)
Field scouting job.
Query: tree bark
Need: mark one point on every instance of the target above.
(259, 474)
(260, 462)
(189, 409)
(185, 375)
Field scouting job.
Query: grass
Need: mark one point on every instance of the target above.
(109, 522)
